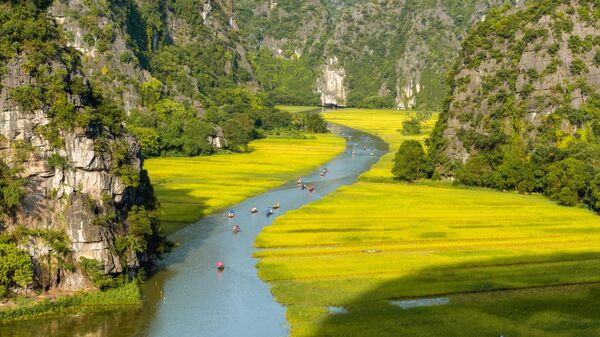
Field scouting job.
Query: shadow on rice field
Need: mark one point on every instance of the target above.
(528, 299)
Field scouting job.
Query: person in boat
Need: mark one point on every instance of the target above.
(311, 188)
(303, 186)
(322, 173)
(231, 214)
(372, 154)
(325, 170)
(254, 210)
(220, 265)
(299, 181)
(269, 211)
(236, 229)
(276, 205)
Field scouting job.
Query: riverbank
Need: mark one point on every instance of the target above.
(83, 302)
(381, 258)
(191, 188)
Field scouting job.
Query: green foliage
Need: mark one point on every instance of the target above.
(11, 189)
(55, 161)
(411, 127)
(142, 226)
(567, 181)
(411, 163)
(95, 273)
(595, 193)
(16, 268)
(476, 172)
(578, 67)
(149, 140)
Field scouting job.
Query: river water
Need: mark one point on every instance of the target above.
(188, 296)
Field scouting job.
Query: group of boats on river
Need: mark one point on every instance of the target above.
(270, 210)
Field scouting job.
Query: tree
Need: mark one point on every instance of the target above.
(15, 268)
(515, 172)
(567, 181)
(595, 193)
(149, 140)
(411, 163)
(411, 127)
(476, 172)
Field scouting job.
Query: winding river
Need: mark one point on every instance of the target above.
(188, 296)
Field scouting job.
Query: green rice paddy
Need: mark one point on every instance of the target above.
(470, 262)
(190, 188)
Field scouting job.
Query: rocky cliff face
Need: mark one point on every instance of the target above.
(87, 197)
(93, 29)
(394, 53)
(530, 72)
(331, 84)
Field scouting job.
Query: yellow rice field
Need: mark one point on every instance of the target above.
(370, 243)
(189, 188)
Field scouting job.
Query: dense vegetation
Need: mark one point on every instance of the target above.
(528, 126)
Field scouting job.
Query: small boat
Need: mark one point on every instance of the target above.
(254, 210)
(276, 205)
(236, 229)
(220, 266)
(372, 154)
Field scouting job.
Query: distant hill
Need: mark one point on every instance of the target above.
(360, 53)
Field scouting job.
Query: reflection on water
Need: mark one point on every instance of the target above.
(188, 297)
(124, 322)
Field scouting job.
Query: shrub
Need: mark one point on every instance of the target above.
(411, 163)
(16, 268)
(411, 127)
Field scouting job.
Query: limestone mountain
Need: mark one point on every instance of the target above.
(86, 208)
(362, 53)
(524, 113)
(531, 72)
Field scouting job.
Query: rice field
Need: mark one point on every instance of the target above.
(387, 124)
(190, 188)
(393, 259)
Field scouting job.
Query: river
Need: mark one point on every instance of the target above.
(188, 296)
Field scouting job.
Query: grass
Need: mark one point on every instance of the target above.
(296, 109)
(124, 296)
(509, 264)
(190, 188)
